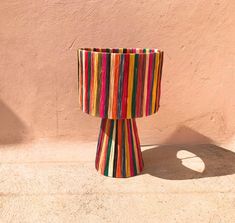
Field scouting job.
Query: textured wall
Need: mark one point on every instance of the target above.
(38, 66)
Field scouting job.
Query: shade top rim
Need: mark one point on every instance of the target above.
(121, 50)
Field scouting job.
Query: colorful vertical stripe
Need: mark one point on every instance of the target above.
(118, 151)
(119, 83)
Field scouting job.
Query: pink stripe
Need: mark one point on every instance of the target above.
(137, 144)
(130, 148)
(103, 87)
(125, 86)
(149, 83)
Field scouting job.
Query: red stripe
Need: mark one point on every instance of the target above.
(139, 85)
(86, 82)
(125, 87)
(103, 86)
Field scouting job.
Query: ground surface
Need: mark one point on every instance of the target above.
(55, 181)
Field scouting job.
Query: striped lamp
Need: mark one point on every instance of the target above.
(119, 85)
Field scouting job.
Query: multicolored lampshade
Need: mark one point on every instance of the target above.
(114, 84)
(119, 83)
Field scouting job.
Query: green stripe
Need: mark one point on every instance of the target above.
(151, 87)
(98, 84)
(135, 79)
(109, 148)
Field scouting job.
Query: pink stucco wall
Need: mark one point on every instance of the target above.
(38, 66)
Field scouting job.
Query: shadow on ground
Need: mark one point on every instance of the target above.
(188, 160)
(12, 129)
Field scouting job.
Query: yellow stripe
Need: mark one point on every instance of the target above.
(145, 84)
(130, 85)
(154, 92)
(95, 83)
(111, 86)
(111, 159)
(127, 151)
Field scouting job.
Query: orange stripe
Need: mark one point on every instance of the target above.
(119, 158)
(105, 147)
(116, 78)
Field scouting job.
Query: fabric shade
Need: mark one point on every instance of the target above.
(120, 83)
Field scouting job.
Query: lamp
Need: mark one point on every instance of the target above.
(119, 85)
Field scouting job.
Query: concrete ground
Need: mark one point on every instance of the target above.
(56, 181)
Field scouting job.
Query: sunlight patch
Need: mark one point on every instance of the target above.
(191, 161)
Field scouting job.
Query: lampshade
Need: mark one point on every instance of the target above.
(119, 83)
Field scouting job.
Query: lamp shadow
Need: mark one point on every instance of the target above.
(12, 129)
(188, 161)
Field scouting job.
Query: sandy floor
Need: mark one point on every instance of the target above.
(56, 181)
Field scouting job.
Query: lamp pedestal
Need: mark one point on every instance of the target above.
(118, 150)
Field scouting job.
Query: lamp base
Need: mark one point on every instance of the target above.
(118, 151)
